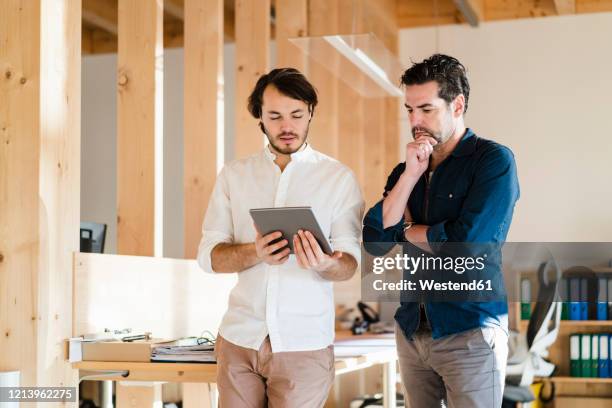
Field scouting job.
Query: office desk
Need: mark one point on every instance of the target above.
(353, 353)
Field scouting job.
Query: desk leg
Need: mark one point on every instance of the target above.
(389, 384)
(214, 395)
(106, 400)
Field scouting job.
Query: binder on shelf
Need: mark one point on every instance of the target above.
(610, 299)
(575, 370)
(574, 292)
(525, 299)
(584, 299)
(602, 299)
(594, 355)
(585, 355)
(564, 294)
(604, 355)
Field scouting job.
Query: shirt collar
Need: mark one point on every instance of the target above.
(467, 144)
(304, 152)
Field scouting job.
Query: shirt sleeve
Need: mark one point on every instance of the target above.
(217, 227)
(488, 206)
(373, 231)
(346, 224)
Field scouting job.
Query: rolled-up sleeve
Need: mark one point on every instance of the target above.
(217, 227)
(373, 230)
(346, 223)
(489, 205)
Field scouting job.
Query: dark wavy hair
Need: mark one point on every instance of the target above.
(290, 82)
(447, 71)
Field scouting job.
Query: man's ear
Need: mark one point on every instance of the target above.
(261, 126)
(459, 107)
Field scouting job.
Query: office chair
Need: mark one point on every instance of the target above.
(528, 353)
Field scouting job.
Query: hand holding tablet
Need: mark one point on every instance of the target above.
(288, 221)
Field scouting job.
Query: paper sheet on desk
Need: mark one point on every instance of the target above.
(190, 354)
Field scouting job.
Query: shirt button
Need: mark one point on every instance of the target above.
(450, 195)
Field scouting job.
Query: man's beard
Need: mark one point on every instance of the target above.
(281, 149)
(439, 136)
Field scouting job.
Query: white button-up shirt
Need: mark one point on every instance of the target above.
(294, 306)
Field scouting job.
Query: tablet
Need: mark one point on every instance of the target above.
(288, 220)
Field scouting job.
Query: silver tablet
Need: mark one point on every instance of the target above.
(288, 220)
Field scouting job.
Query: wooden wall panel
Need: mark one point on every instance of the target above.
(323, 20)
(374, 139)
(291, 21)
(252, 61)
(394, 152)
(39, 184)
(139, 127)
(203, 112)
(19, 180)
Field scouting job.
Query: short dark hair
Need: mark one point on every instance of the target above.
(290, 82)
(447, 71)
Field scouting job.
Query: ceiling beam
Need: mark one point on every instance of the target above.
(176, 9)
(565, 6)
(472, 10)
(101, 14)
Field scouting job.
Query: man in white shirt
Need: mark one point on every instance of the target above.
(275, 341)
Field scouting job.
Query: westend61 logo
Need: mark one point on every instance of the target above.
(413, 264)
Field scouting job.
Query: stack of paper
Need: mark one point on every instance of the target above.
(186, 354)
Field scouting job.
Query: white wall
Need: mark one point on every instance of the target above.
(543, 87)
(99, 144)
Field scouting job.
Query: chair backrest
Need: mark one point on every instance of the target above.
(546, 298)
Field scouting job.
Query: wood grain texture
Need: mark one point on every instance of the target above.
(291, 22)
(252, 61)
(323, 20)
(203, 112)
(39, 184)
(139, 127)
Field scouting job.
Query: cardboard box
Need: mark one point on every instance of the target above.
(136, 351)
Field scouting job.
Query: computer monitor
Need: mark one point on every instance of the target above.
(92, 237)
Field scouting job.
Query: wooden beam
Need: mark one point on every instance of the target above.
(565, 6)
(203, 112)
(472, 11)
(101, 14)
(252, 61)
(323, 20)
(40, 66)
(139, 128)
(291, 21)
(175, 8)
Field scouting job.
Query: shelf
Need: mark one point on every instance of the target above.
(577, 323)
(576, 380)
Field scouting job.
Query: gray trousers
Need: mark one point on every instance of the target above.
(464, 370)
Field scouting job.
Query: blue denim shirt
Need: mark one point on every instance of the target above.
(471, 199)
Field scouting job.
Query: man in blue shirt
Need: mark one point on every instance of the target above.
(454, 187)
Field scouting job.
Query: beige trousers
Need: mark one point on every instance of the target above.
(248, 378)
